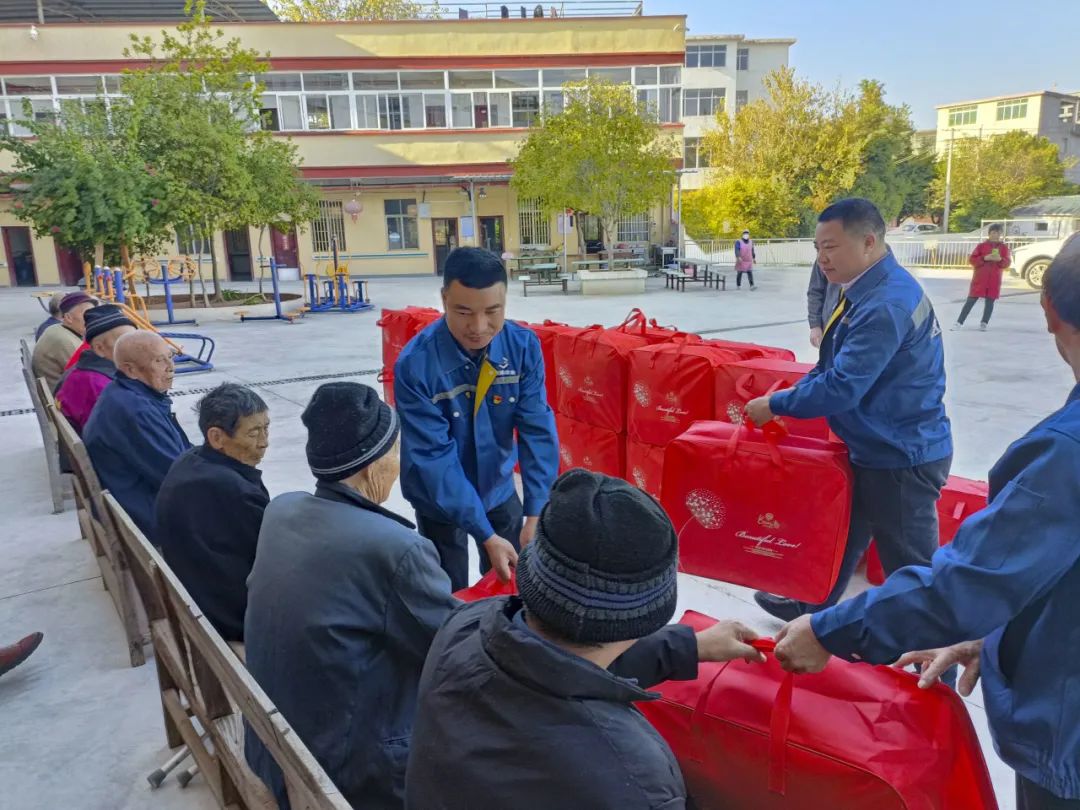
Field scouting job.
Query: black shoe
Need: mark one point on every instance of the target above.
(786, 610)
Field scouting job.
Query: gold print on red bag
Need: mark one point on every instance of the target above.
(767, 545)
(707, 508)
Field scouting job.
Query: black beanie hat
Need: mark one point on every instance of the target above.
(602, 565)
(349, 428)
(101, 319)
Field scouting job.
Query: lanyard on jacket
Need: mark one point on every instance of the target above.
(841, 305)
(483, 384)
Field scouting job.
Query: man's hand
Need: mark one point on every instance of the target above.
(798, 650)
(726, 641)
(935, 662)
(759, 411)
(528, 531)
(816, 334)
(502, 556)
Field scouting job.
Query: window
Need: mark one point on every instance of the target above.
(1012, 110)
(423, 80)
(367, 112)
(517, 78)
(461, 105)
(491, 110)
(401, 111)
(612, 75)
(645, 75)
(526, 108)
(435, 110)
(649, 101)
(470, 79)
(533, 225)
(326, 81)
(670, 99)
(963, 116)
(560, 76)
(742, 59)
(78, 85)
(188, 244)
(375, 81)
(328, 112)
(671, 75)
(554, 103)
(706, 56)
(709, 101)
(29, 86)
(328, 226)
(742, 98)
(695, 156)
(281, 113)
(287, 82)
(634, 228)
(112, 85)
(402, 230)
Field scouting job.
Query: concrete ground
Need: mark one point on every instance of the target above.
(83, 729)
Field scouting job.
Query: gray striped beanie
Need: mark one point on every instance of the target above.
(602, 565)
(349, 428)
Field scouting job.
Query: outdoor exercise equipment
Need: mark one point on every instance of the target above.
(166, 281)
(278, 315)
(117, 286)
(338, 291)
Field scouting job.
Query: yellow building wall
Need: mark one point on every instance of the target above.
(384, 39)
(45, 264)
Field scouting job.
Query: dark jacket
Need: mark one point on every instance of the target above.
(880, 378)
(821, 298)
(343, 602)
(208, 515)
(1011, 576)
(507, 719)
(133, 439)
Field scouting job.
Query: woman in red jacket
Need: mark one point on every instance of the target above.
(990, 260)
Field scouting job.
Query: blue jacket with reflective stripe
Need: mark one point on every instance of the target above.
(1010, 577)
(455, 468)
(880, 379)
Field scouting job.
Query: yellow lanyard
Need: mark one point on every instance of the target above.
(483, 384)
(841, 305)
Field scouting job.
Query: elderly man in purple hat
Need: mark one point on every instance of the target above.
(60, 341)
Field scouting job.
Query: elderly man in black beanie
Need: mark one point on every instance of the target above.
(527, 702)
(343, 602)
(82, 384)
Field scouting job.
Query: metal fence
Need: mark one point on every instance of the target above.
(934, 253)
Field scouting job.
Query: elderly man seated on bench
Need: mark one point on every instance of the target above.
(132, 436)
(81, 385)
(60, 341)
(210, 507)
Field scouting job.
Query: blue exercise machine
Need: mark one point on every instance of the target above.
(339, 292)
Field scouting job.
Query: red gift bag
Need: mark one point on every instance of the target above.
(671, 386)
(547, 332)
(738, 383)
(753, 351)
(487, 586)
(592, 448)
(752, 737)
(593, 366)
(645, 466)
(758, 509)
(960, 499)
(399, 326)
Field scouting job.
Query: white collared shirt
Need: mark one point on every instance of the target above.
(848, 285)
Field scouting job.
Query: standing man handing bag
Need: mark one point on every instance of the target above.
(462, 387)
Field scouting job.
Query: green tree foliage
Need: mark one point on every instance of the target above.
(992, 176)
(764, 205)
(317, 10)
(196, 105)
(88, 185)
(602, 155)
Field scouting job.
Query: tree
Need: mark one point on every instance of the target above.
(725, 208)
(196, 113)
(80, 179)
(993, 176)
(317, 10)
(602, 155)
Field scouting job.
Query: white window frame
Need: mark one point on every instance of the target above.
(534, 226)
(1015, 109)
(704, 101)
(634, 228)
(329, 223)
(715, 52)
(958, 115)
(742, 59)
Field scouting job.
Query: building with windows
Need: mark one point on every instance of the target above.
(406, 127)
(722, 74)
(1055, 116)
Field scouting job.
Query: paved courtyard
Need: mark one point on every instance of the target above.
(83, 729)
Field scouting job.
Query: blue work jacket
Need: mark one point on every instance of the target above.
(456, 467)
(1010, 577)
(880, 379)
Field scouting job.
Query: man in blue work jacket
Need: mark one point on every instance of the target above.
(1010, 579)
(462, 387)
(880, 381)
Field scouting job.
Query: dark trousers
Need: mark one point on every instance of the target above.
(898, 509)
(988, 309)
(1030, 796)
(452, 542)
(748, 273)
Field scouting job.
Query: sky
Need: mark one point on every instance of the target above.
(925, 53)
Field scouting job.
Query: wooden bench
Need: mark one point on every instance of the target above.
(547, 275)
(59, 482)
(99, 532)
(207, 694)
(675, 279)
(715, 278)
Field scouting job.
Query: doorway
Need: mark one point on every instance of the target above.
(71, 266)
(445, 236)
(19, 249)
(238, 249)
(284, 248)
(491, 235)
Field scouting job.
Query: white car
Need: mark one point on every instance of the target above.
(1029, 262)
(909, 229)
